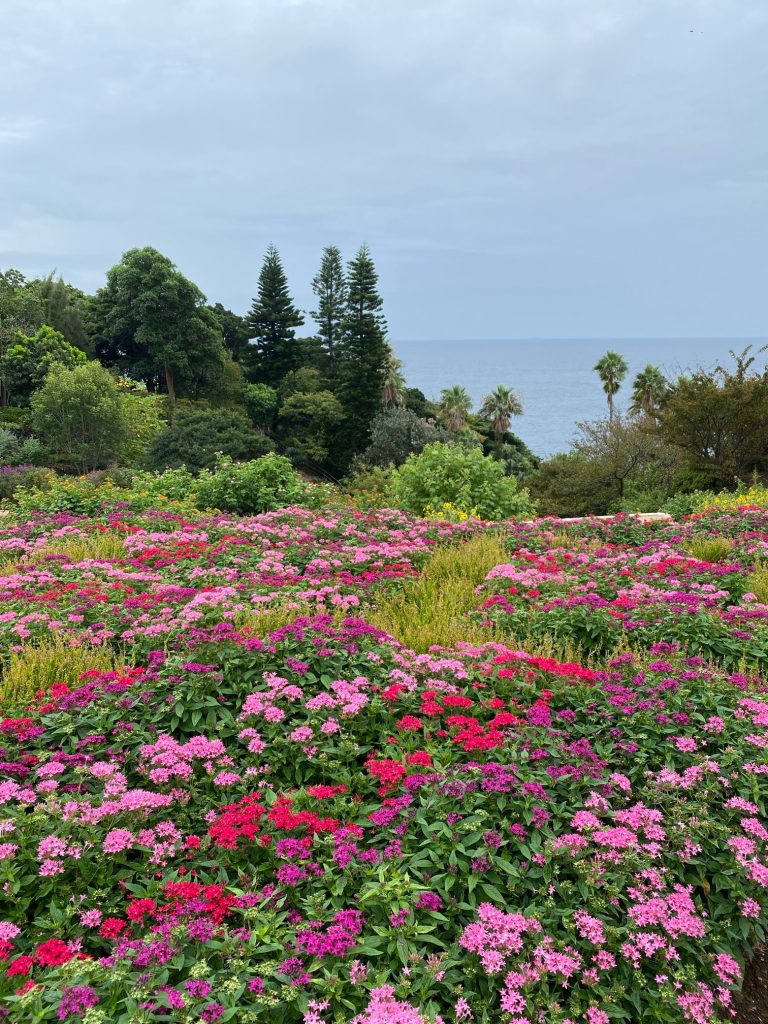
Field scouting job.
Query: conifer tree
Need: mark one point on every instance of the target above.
(363, 357)
(271, 321)
(330, 286)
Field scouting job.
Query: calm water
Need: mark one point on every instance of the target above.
(554, 379)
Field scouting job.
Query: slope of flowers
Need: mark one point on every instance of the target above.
(175, 576)
(320, 826)
(623, 582)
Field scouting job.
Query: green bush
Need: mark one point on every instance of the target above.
(468, 480)
(46, 491)
(680, 505)
(15, 450)
(261, 403)
(370, 487)
(14, 477)
(146, 415)
(80, 416)
(397, 433)
(249, 488)
(13, 416)
(196, 437)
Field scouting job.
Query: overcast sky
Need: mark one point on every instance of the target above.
(545, 168)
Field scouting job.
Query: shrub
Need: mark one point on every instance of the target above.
(397, 433)
(308, 420)
(14, 477)
(370, 487)
(261, 403)
(468, 480)
(196, 436)
(15, 450)
(92, 494)
(81, 416)
(250, 488)
(146, 415)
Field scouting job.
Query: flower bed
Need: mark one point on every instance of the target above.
(319, 825)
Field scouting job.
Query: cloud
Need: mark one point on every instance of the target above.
(491, 152)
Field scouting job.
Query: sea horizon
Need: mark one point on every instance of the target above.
(554, 377)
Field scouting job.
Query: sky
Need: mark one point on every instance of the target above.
(518, 168)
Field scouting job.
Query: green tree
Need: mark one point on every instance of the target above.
(27, 361)
(146, 415)
(153, 323)
(20, 310)
(271, 322)
(64, 309)
(80, 416)
(397, 433)
(307, 420)
(610, 461)
(497, 409)
(720, 421)
(417, 402)
(330, 286)
(261, 402)
(612, 368)
(393, 392)
(361, 360)
(650, 388)
(234, 331)
(454, 408)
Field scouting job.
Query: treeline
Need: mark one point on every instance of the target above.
(705, 430)
(147, 373)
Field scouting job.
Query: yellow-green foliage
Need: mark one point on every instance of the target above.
(757, 582)
(265, 619)
(433, 609)
(101, 546)
(708, 549)
(39, 666)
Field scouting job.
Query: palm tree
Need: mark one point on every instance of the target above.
(498, 408)
(454, 407)
(649, 389)
(393, 389)
(612, 369)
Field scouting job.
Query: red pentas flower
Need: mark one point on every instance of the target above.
(240, 820)
(22, 965)
(409, 723)
(419, 757)
(283, 817)
(138, 909)
(53, 953)
(393, 692)
(325, 792)
(111, 927)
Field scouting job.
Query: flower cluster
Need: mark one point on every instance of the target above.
(311, 823)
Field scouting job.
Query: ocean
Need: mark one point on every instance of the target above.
(554, 378)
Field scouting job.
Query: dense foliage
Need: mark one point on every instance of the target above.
(254, 807)
(466, 479)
